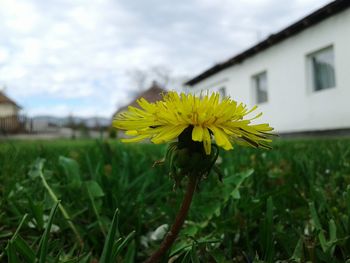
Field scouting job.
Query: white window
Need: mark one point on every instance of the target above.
(260, 87)
(322, 69)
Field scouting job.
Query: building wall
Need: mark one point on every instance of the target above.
(292, 105)
(8, 110)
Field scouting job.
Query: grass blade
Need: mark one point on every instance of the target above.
(11, 253)
(298, 251)
(130, 254)
(61, 207)
(318, 226)
(24, 249)
(125, 242)
(43, 247)
(108, 246)
(10, 248)
(268, 227)
(94, 191)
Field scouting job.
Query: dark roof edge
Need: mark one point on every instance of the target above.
(306, 22)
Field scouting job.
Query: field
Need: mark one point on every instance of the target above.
(289, 204)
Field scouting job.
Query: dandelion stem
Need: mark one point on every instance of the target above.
(179, 220)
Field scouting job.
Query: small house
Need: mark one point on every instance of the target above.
(9, 114)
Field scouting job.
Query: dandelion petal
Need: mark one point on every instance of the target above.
(197, 134)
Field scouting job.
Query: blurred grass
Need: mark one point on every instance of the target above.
(291, 203)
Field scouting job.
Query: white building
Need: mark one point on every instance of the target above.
(299, 77)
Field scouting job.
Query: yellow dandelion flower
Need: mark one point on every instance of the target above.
(208, 118)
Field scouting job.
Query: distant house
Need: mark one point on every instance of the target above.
(10, 121)
(153, 94)
(7, 106)
(299, 77)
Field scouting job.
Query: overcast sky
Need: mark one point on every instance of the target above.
(63, 57)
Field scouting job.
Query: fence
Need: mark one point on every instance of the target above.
(13, 124)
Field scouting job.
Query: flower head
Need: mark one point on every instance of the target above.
(206, 118)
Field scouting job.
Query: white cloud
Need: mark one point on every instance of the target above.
(13, 72)
(4, 55)
(20, 16)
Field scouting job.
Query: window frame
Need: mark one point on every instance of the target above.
(254, 79)
(312, 88)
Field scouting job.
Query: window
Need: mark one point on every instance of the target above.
(222, 92)
(322, 69)
(260, 87)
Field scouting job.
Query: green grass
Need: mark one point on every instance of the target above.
(291, 203)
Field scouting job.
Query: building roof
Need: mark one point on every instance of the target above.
(6, 100)
(304, 23)
(153, 94)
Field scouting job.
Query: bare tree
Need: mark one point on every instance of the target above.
(161, 74)
(138, 78)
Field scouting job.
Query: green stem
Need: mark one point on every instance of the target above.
(179, 220)
(96, 213)
(60, 206)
